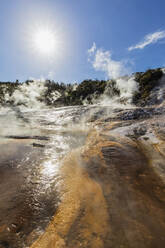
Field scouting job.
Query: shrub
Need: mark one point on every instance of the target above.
(147, 81)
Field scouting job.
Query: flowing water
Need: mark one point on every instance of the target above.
(33, 144)
(82, 176)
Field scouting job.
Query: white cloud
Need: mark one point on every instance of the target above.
(101, 61)
(92, 49)
(148, 39)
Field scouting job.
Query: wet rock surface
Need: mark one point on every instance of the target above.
(24, 207)
(84, 177)
(134, 194)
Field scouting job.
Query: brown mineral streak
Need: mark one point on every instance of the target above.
(128, 185)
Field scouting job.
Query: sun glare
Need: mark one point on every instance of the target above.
(45, 41)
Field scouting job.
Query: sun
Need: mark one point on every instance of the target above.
(45, 41)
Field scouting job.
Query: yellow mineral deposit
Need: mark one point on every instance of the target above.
(82, 201)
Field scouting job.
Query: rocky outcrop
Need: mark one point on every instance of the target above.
(114, 188)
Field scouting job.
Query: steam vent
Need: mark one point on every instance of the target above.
(83, 165)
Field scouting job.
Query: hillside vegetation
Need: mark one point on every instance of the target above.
(60, 94)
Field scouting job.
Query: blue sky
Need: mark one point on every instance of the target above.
(126, 36)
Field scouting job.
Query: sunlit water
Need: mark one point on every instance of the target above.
(33, 145)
